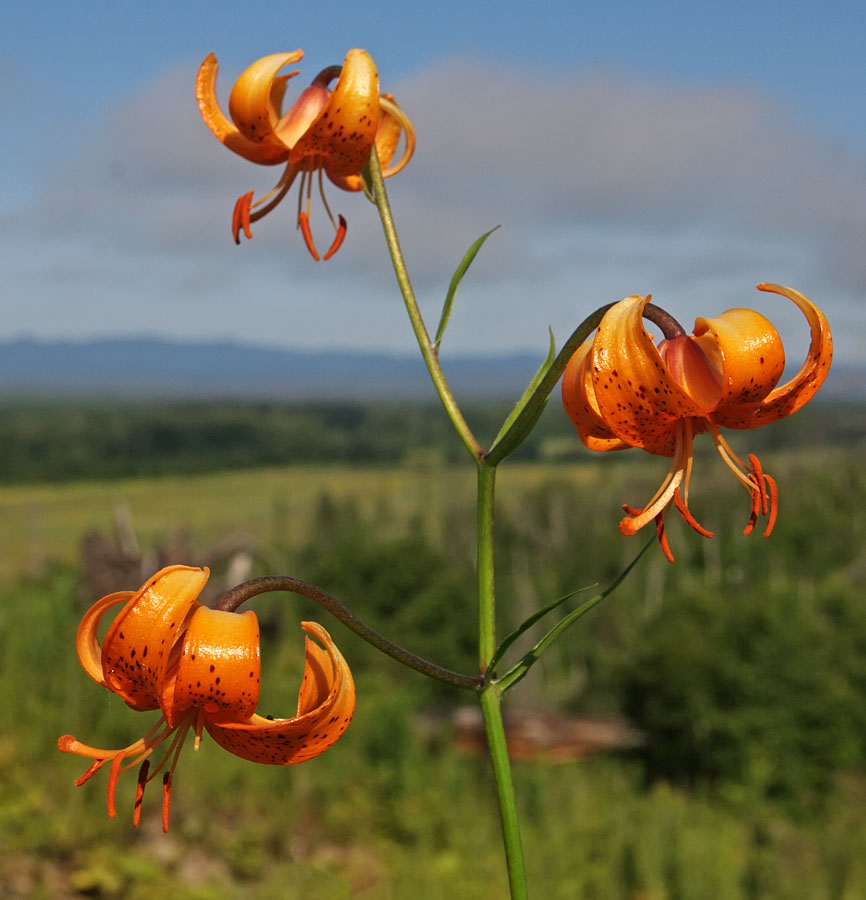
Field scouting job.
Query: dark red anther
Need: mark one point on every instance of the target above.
(139, 792)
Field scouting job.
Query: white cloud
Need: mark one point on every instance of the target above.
(604, 185)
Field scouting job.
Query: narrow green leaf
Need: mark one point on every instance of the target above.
(466, 262)
(532, 407)
(528, 660)
(527, 624)
(505, 442)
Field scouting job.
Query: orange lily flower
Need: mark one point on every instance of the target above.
(330, 131)
(622, 391)
(201, 667)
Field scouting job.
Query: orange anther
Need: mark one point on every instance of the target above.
(759, 480)
(113, 775)
(688, 518)
(338, 239)
(92, 769)
(774, 504)
(304, 225)
(663, 539)
(241, 217)
(166, 800)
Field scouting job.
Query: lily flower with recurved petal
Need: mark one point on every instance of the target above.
(622, 391)
(201, 667)
(324, 131)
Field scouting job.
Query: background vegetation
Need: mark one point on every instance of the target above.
(742, 665)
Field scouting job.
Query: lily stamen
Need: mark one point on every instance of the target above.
(758, 474)
(765, 498)
(631, 524)
(246, 212)
(339, 237)
(762, 488)
(166, 799)
(325, 199)
(139, 793)
(304, 225)
(621, 391)
(688, 518)
(774, 504)
(662, 537)
(731, 460)
(241, 217)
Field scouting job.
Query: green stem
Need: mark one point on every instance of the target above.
(490, 697)
(492, 713)
(486, 585)
(373, 173)
(232, 599)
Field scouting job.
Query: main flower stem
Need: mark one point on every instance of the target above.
(486, 583)
(497, 748)
(373, 173)
(490, 698)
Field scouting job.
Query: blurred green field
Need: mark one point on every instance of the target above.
(745, 663)
(42, 524)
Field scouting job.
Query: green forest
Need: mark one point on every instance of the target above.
(739, 671)
(62, 441)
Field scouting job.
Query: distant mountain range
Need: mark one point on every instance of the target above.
(143, 367)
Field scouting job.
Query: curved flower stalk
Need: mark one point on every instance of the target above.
(330, 131)
(622, 391)
(201, 668)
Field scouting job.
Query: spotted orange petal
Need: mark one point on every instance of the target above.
(219, 669)
(326, 702)
(637, 398)
(255, 100)
(578, 398)
(138, 645)
(393, 123)
(789, 397)
(343, 133)
(746, 350)
(265, 149)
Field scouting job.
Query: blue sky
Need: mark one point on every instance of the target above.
(689, 150)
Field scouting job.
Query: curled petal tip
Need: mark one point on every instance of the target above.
(265, 152)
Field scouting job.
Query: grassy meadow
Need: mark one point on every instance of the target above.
(743, 665)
